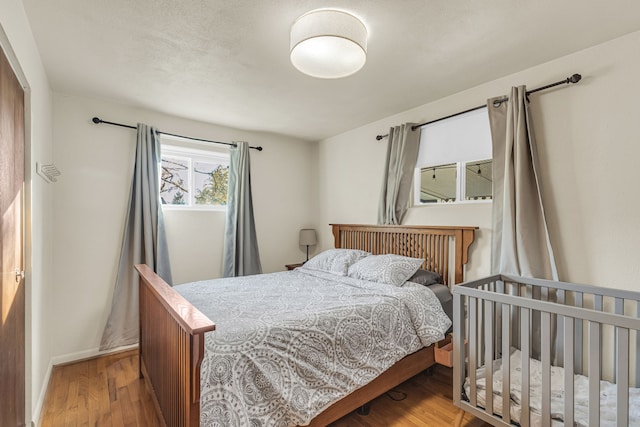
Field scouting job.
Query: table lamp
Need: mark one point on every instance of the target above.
(308, 238)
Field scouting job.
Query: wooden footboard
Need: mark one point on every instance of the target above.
(171, 349)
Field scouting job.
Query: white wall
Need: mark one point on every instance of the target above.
(588, 146)
(91, 201)
(18, 43)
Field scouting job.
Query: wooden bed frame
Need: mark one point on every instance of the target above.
(172, 330)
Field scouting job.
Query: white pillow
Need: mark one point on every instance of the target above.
(391, 269)
(335, 261)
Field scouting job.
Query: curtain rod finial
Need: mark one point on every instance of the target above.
(574, 79)
(96, 120)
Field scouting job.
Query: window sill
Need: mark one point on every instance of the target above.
(461, 203)
(177, 208)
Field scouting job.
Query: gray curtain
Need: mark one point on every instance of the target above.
(241, 256)
(402, 154)
(520, 242)
(143, 242)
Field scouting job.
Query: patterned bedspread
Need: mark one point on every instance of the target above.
(288, 345)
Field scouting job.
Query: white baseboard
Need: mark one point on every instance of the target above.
(62, 360)
(88, 354)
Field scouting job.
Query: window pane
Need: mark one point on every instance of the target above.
(438, 184)
(174, 181)
(210, 183)
(479, 180)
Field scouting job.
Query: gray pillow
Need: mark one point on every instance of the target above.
(425, 277)
(391, 269)
(443, 293)
(335, 261)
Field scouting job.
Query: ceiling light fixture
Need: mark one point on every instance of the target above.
(328, 44)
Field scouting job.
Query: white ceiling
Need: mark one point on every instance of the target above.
(227, 61)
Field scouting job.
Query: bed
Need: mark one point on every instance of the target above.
(583, 369)
(172, 330)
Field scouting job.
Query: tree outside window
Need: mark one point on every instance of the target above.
(193, 179)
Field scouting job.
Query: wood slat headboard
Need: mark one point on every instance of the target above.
(434, 244)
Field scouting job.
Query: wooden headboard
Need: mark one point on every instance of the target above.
(434, 244)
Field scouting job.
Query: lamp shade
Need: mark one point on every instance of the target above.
(308, 237)
(328, 44)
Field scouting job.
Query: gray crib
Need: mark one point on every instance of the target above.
(562, 353)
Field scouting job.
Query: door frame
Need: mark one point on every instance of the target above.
(27, 249)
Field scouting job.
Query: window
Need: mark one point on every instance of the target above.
(195, 179)
(454, 162)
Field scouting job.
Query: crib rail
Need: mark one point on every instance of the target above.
(552, 324)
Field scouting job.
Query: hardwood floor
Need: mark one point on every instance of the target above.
(106, 391)
(428, 402)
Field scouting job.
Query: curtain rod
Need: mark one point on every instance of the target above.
(572, 79)
(97, 120)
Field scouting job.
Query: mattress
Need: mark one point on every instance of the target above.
(288, 345)
(608, 394)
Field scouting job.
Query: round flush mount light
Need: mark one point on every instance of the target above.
(328, 44)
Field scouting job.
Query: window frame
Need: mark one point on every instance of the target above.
(193, 155)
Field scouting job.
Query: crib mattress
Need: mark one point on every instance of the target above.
(608, 394)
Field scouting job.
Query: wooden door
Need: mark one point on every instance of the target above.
(12, 304)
